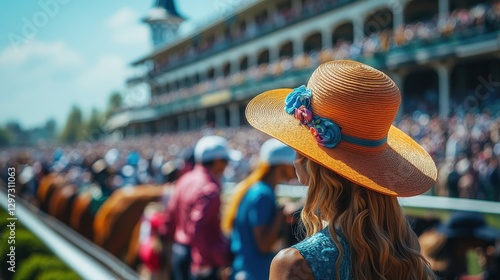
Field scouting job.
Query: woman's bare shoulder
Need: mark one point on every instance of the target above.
(289, 264)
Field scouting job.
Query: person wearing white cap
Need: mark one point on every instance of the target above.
(199, 247)
(253, 218)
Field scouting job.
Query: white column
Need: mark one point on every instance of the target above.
(443, 71)
(203, 74)
(192, 79)
(182, 123)
(358, 28)
(165, 125)
(201, 118)
(298, 46)
(326, 38)
(146, 128)
(252, 60)
(398, 12)
(192, 121)
(234, 117)
(235, 66)
(444, 8)
(274, 53)
(120, 132)
(134, 129)
(218, 71)
(220, 117)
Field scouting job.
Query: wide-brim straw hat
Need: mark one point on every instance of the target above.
(363, 103)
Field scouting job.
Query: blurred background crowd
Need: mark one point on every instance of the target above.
(481, 18)
(465, 147)
(110, 178)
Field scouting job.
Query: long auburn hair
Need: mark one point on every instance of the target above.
(382, 243)
(241, 189)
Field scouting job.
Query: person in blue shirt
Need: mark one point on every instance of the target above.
(253, 218)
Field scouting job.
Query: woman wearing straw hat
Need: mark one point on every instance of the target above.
(356, 164)
(252, 218)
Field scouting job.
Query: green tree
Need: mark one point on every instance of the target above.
(18, 135)
(72, 131)
(50, 129)
(5, 137)
(94, 126)
(15, 131)
(115, 101)
(51, 126)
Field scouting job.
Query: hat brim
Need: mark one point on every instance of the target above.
(403, 168)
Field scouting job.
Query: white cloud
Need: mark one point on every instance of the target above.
(46, 78)
(126, 28)
(42, 79)
(110, 69)
(37, 81)
(106, 75)
(57, 53)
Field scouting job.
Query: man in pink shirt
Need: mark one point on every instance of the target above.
(193, 215)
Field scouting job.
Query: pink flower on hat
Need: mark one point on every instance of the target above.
(303, 114)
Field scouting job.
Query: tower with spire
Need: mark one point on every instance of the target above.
(164, 21)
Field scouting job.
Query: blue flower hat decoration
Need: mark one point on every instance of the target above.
(325, 131)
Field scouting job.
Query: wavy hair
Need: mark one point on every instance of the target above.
(240, 190)
(383, 245)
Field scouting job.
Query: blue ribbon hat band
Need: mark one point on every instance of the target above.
(364, 142)
(326, 132)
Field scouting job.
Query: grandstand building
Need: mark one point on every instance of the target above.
(443, 54)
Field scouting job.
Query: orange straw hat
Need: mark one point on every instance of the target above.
(343, 121)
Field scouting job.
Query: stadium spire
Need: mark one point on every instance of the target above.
(164, 21)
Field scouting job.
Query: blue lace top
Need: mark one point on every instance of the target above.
(321, 254)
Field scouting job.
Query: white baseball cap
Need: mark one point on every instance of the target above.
(274, 152)
(210, 148)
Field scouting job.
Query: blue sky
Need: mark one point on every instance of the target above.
(56, 53)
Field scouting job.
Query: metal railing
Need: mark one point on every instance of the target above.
(420, 201)
(83, 256)
(92, 262)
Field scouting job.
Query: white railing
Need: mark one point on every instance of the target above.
(81, 255)
(421, 201)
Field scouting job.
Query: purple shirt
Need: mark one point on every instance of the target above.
(193, 218)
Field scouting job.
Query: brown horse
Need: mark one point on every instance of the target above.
(116, 222)
(56, 196)
(46, 188)
(61, 203)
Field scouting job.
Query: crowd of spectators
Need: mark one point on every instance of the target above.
(147, 159)
(465, 147)
(264, 23)
(479, 19)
